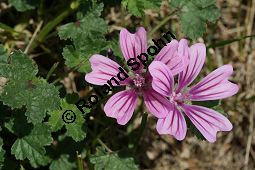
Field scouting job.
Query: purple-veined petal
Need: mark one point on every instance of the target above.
(207, 121)
(121, 106)
(173, 124)
(214, 86)
(103, 69)
(133, 45)
(183, 51)
(156, 104)
(174, 55)
(162, 78)
(197, 53)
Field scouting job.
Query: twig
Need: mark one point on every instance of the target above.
(33, 36)
(37, 55)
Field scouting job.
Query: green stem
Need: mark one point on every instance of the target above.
(141, 130)
(163, 22)
(79, 162)
(51, 25)
(65, 74)
(225, 42)
(53, 68)
(99, 135)
(104, 145)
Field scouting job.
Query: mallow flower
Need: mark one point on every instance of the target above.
(138, 82)
(213, 87)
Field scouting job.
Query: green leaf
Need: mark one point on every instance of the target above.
(2, 153)
(74, 57)
(62, 163)
(137, 7)
(72, 98)
(75, 129)
(152, 4)
(25, 89)
(18, 66)
(18, 125)
(42, 99)
(210, 13)
(210, 104)
(24, 5)
(178, 3)
(115, 46)
(88, 25)
(111, 161)
(134, 6)
(3, 54)
(220, 110)
(203, 3)
(87, 36)
(32, 146)
(195, 14)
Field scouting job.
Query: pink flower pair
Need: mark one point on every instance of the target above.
(156, 86)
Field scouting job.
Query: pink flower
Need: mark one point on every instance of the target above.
(121, 105)
(213, 87)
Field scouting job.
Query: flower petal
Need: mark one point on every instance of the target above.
(197, 53)
(133, 45)
(121, 106)
(156, 104)
(214, 86)
(207, 121)
(183, 51)
(163, 80)
(173, 124)
(103, 69)
(174, 55)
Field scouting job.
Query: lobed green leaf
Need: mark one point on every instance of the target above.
(32, 146)
(111, 161)
(76, 130)
(25, 89)
(62, 163)
(137, 7)
(24, 5)
(87, 36)
(195, 14)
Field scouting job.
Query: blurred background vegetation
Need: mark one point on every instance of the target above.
(60, 36)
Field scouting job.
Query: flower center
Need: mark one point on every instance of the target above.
(177, 98)
(139, 81)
